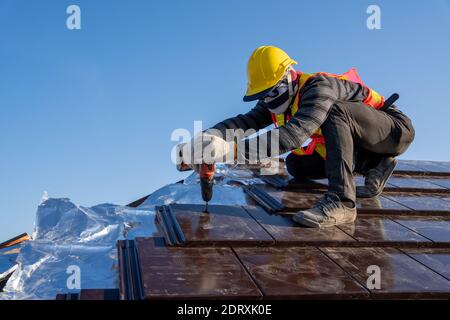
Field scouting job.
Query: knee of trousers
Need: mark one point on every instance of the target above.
(306, 167)
(293, 166)
(298, 166)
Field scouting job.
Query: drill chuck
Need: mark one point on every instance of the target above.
(207, 189)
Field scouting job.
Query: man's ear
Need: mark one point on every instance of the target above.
(294, 74)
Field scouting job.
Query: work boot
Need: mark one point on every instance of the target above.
(376, 178)
(328, 212)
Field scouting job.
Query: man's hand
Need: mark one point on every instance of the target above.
(216, 149)
(204, 148)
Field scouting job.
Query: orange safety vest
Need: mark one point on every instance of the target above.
(317, 143)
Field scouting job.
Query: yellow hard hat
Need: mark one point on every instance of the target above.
(267, 65)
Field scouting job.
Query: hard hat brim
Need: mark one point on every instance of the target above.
(256, 96)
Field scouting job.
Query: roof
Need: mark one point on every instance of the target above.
(249, 247)
(16, 240)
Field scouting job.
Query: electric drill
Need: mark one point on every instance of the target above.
(206, 179)
(206, 182)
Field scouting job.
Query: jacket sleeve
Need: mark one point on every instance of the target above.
(257, 118)
(317, 97)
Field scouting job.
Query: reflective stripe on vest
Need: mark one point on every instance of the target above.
(317, 143)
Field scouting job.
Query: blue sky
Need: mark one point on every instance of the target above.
(88, 114)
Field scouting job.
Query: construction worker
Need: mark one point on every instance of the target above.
(350, 127)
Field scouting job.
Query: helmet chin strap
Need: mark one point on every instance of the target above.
(292, 92)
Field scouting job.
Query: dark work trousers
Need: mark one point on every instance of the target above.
(357, 137)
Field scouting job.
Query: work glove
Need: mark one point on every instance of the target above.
(216, 149)
(204, 148)
(270, 166)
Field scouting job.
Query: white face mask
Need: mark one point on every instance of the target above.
(283, 107)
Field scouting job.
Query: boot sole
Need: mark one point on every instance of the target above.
(383, 184)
